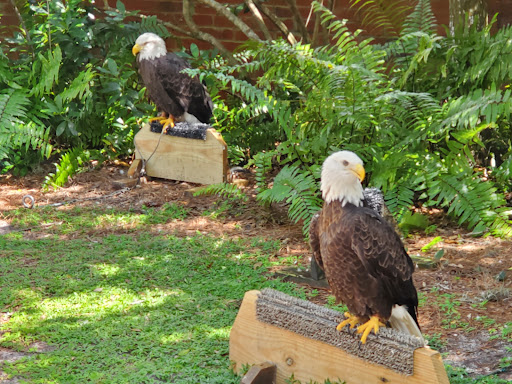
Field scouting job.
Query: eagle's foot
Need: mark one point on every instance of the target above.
(167, 122)
(373, 324)
(350, 320)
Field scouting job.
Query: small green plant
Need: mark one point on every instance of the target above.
(435, 341)
(432, 243)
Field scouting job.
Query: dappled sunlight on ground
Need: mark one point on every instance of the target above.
(466, 296)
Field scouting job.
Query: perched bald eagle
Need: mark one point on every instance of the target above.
(364, 259)
(372, 198)
(179, 96)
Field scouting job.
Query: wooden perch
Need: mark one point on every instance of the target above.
(253, 341)
(184, 159)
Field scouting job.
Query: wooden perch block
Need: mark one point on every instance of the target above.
(253, 342)
(135, 168)
(260, 374)
(178, 158)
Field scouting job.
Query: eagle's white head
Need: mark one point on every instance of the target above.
(149, 46)
(342, 174)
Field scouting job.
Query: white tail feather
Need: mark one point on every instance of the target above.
(402, 321)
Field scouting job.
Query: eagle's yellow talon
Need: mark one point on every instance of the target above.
(167, 122)
(373, 324)
(350, 320)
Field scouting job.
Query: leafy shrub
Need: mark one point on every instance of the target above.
(68, 86)
(404, 107)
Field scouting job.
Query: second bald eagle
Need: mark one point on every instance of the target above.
(364, 259)
(179, 96)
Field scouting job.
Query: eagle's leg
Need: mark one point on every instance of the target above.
(373, 324)
(350, 320)
(167, 123)
(162, 116)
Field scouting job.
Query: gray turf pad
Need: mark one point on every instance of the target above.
(182, 129)
(389, 348)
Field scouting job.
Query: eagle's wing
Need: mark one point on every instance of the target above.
(379, 247)
(366, 263)
(188, 92)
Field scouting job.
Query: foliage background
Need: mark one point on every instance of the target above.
(429, 114)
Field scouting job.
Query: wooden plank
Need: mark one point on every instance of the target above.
(178, 158)
(252, 342)
(264, 373)
(135, 168)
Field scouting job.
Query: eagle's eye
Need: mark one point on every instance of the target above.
(345, 163)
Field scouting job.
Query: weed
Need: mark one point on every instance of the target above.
(435, 341)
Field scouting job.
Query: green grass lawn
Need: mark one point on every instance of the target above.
(130, 308)
(118, 301)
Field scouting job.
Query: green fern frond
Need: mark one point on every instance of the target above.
(399, 200)
(469, 110)
(472, 201)
(383, 15)
(262, 163)
(45, 72)
(225, 190)
(70, 164)
(421, 19)
(299, 189)
(148, 24)
(79, 87)
(13, 108)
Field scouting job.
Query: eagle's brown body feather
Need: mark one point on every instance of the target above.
(174, 92)
(364, 260)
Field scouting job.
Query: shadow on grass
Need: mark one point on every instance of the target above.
(142, 309)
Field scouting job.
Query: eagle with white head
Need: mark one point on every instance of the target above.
(177, 95)
(364, 259)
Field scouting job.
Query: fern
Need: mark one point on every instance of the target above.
(46, 72)
(17, 128)
(69, 164)
(13, 107)
(80, 87)
(471, 200)
(399, 200)
(262, 162)
(299, 189)
(223, 190)
(385, 16)
(421, 19)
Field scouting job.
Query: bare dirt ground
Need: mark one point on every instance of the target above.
(467, 296)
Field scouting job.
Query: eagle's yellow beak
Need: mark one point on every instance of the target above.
(358, 169)
(136, 49)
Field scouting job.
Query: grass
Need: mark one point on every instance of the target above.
(121, 301)
(129, 308)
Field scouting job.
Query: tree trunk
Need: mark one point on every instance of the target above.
(476, 10)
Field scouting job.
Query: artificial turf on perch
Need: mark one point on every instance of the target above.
(300, 338)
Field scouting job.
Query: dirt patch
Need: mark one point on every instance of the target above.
(466, 298)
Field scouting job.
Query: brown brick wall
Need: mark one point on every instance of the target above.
(222, 29)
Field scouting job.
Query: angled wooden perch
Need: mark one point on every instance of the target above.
(300, 339)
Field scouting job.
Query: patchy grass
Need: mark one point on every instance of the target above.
(123, 303)
(131, 308)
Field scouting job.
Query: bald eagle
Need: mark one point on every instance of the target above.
(364, 259)
(372, 198)
(179, 96)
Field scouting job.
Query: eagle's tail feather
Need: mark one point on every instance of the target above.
(402, 321)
